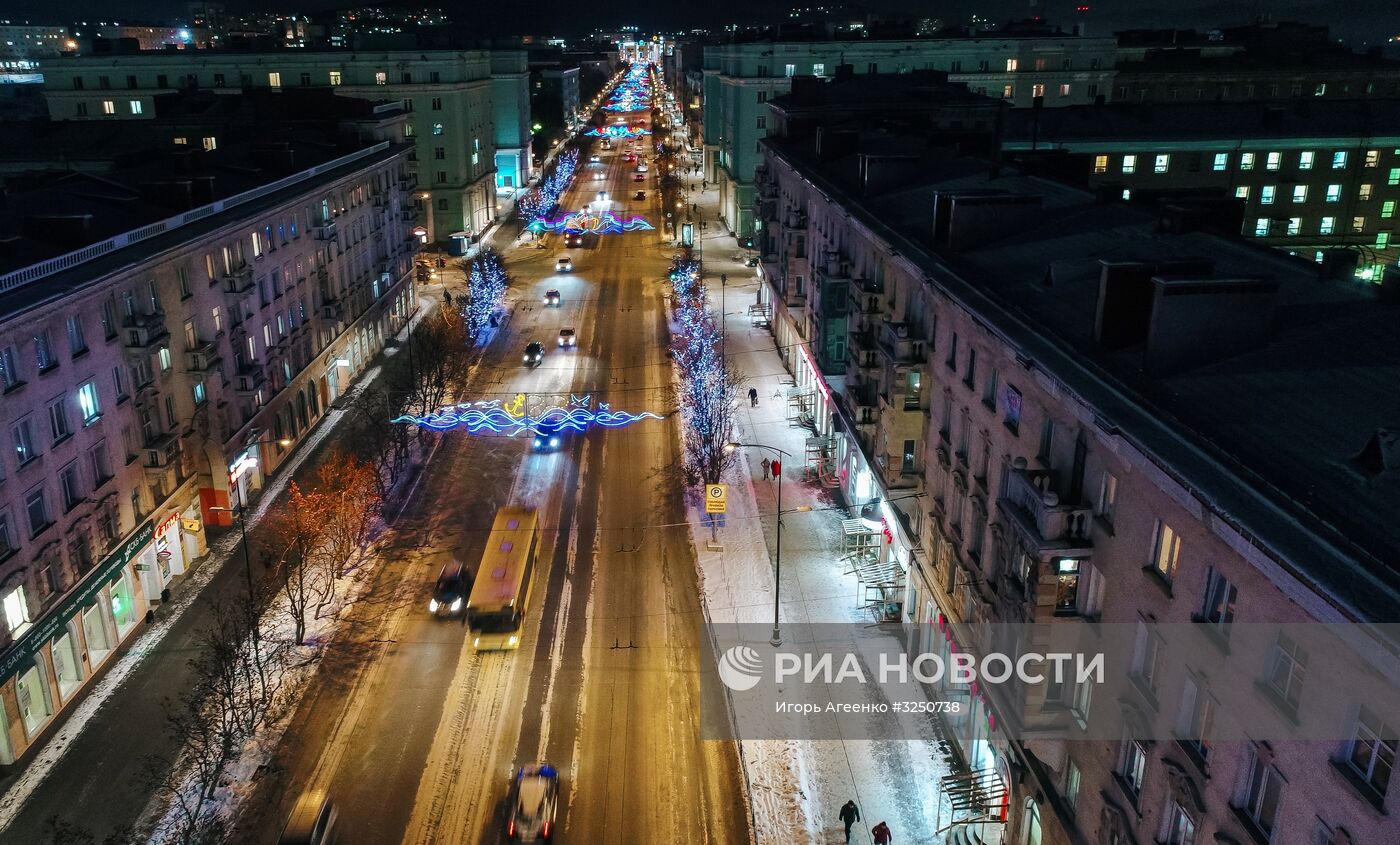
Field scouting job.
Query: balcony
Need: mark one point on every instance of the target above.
(325, 231)
(861, 349)
(202, 358)
(144, 331)
(897, 344)
(1034, 511)
(239, 279)
(333, 309)
(159, 458)
(864, 403)
(249, 380)
(795, 221)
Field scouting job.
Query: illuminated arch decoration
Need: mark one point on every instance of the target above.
(588, 223)
(513, 418)
(617, 132)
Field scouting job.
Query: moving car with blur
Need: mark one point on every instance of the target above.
(565, 264)
(548, 438)
(640, 195)
(534, 353)
(551, 297)
(639, 177)
(573, 239)
(595, 159)
(567, 337)
(534, 798)
(453, 585)
(312, 821)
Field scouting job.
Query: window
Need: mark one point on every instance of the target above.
(1147, 657)
(1100, 164)
(7, 537)
(1066, 585)
(1241, 192)
(1266, 194)
(36, 505)
(274, 79)
(818, 69)
(1288, 666)
(1181, 830)
(989, 388)
(1329, 225)
(381, 78)
(1394, 177)
(1372, 753)
(1166, 551)
(1108, 497)
(1197, 717)
(335, 77)
(1064, 89)
(43, 351)
(437, 129)
(164, 357)
(1358, 223)
(16, 611)
(68, 485)
(763, 96)
(77, 344)
(1305, 160)
(1161, 162)
(1387, 209)
(1261, 227)
(1012, 65)
(58, 421)
(135, 106)
(789, 70)
(1220, 161)
(435, 105)
(87, 398)
(1334, 193)
(198, 391)
(1246, 161)
(100, 465)
(1071, 783)
(1008, 91)
(1339, 159)
(1218, 607)
(23, 435)
(1272, 161)
(305, 79)
(1295, 225)
(1300, 193)
(1012, 398)
(1372, 159)
(1132, 765)
(210, 143)
(1047, 441)
(1037, 90)
(80, 109)
(762, 122)
(1382, 240)
(109, 107)
(1261, 794)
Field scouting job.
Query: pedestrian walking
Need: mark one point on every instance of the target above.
(447, 297)
(753, 397)
(881, 834)
(695, 207)
(765, 469)
(850, 814)
(775, 468)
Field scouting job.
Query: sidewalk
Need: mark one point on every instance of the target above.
(100, 747)
(796, 787)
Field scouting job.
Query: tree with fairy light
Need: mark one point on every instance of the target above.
(708, 390)
(486, 293)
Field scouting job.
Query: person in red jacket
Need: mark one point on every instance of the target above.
(881, 834)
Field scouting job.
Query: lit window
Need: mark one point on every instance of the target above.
(1305, 160)
(1166, 552)
(818, 69)
(1334, 193)
(135, 106)
(1363, 192)
(1161, 163)
(1127, 194)
(1012, 65)
(1339, 159)
(88, 402)
(181, 140)
(1008, 91)
(1064, 89)
(1329, 225)
(16, 611)
(1320, 90)
(1295, 225)
(210, 143)
(1101, 164)
(1222, 161)
(381, 78)
(1300, 193)
(335, 77)
(1266, 195)
(1382, 240)
(437, 128)
(1037, 90)
(790, 70)
(1373, 159)
(199, 392)
(1394, 178)
(1242, 192)
(1273, 161)
(274, 79)
(109, 107)
(1129, 164)
(1246, 161)
(1358, 224)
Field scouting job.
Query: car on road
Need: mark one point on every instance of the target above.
(598, 175)
(548, 438)
(551, 297)
(565, 264)
(595, 159)
(312, 821)
(573, 240)
(534, 797)
(534, 353)
(639, 177)
(642, 167)
(630, 157)
(568, 337)
(453, 585)
(640, 195)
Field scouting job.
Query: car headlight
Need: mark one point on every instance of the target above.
(456, 605)
(526, 359)
(476, 642)
(513, 640)
(554, 441)
(433, 605)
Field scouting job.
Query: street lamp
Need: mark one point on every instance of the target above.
(243, 524)
(777, 638)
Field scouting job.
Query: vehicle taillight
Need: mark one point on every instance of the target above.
(544, 831)
(510, 828)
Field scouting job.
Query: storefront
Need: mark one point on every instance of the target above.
(167, 558)
(46, 666)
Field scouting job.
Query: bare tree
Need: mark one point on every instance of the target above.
(440, 362)
(296, 536)
(378, 440)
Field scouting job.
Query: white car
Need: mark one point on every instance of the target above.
(568, 338)
(595, 159)
(565, 264)
(534, 797)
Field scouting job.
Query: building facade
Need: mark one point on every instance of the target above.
(1057, 70)
(510, 100)
(1055, 491)
(450, 94)
(151, 382)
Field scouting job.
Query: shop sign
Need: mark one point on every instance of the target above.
(167, 523)
(190, 525)
(48, 627)
(245, 463)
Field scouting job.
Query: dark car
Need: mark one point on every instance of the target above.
(451, 590)
(639, 177)
(573, 239)
(640, 195)
(548, 438)
(534, 797)
(534, 354)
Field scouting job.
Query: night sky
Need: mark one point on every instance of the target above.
(1369, 21)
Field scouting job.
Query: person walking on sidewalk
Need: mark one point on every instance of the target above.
(775, 467)
(881, 834)
(850, 814)
(765, 469)
(753, 397)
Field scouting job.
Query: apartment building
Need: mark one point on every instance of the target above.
(1054, 69)
(170, 330)
(1319, 179)
(1112, 427)
(450, 95)
(510, 100)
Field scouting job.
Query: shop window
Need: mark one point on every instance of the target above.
(32, 690)
(16, 609)
(99, 645)
(123, 603)
(66, 664)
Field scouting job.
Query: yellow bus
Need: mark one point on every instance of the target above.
(501, 593)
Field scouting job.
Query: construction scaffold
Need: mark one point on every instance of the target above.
(820, 464)
(801, 408)
(974, 798)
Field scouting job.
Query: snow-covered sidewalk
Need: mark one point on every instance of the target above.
(796, 786)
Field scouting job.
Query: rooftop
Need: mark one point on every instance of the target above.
(1268, 436)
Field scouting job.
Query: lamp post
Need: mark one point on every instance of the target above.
(777, 638)
(243, 526)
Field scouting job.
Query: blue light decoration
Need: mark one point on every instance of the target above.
(633, 93)
(543, 199)
(494, 416)
(617, 132)
(589, 223)
(486, 293)
(706, 384)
